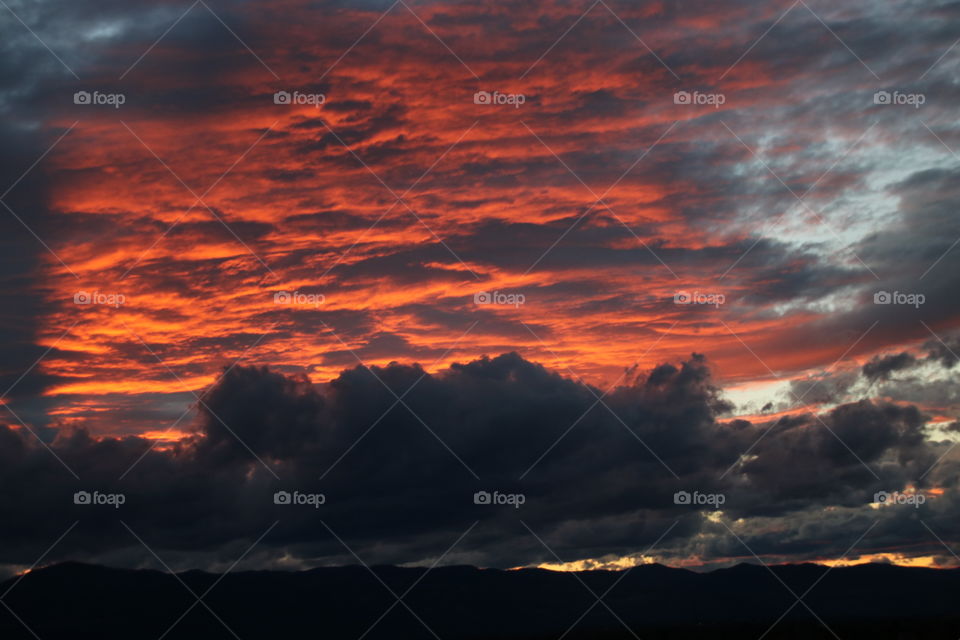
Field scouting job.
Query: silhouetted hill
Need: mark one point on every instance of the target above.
(75, 601)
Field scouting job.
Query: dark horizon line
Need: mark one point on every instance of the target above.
(427, 568)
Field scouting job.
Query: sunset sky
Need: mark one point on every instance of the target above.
(594, 252)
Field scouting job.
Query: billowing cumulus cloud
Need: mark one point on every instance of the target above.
(882, 367)
(398, 476)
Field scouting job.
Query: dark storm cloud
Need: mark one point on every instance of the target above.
(821, 389)
(944, 350)
(399, 476)
(880, 368)
(915, 383)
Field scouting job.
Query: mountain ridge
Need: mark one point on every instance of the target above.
(79, 600)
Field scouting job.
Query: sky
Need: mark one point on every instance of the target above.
(586, 257)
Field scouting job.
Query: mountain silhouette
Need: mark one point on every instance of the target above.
(652, 602)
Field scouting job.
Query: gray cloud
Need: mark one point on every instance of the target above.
(399, 479)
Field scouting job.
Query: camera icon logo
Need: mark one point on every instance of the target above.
(681, 497)
(882, 97)
(282, 297)
(482, 497)
(482, 97)
(682, 297)
(482, 297)
(281, 97)
(81, 497)
(81, 97)
(281, 497)
(881, 497)
(681, 97)
(82, 297)
(882, 297)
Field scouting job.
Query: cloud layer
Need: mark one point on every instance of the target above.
(398, 477)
